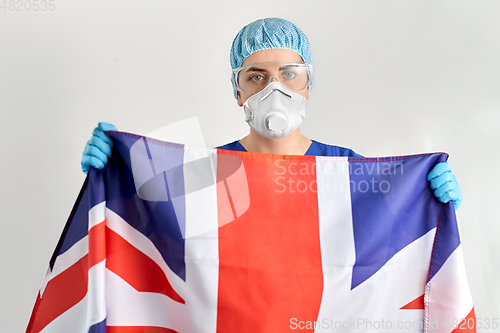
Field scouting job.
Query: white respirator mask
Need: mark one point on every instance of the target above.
(275, 111)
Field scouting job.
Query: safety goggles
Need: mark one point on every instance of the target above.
(251, 79)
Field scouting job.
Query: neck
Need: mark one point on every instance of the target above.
(293, 144)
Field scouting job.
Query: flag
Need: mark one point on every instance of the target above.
(175, 238)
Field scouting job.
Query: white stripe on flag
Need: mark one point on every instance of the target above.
(85, 313)
(126, 306)
(143, 244)
(336, 236)
(200, 205)
(448, 296)
(66, 260)
(129, 307)
(97, 214)
(202, 253)
(96, 293)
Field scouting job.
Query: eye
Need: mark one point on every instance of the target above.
(289, 74)
(255, 77)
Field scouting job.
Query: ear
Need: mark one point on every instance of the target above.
(238, 99)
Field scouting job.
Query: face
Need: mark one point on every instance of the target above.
(266, 56)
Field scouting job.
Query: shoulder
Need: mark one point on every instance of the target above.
(323, 149)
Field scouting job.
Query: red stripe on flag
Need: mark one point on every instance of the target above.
(269, 258)
(138, 329)
(467, 325)
(97, 244)
(416, 304)
(61, 293)
(136, 268)
(29, 329)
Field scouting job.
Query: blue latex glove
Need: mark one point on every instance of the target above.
(98, 148)
(445, 185)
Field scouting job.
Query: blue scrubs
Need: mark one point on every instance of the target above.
(315, 149)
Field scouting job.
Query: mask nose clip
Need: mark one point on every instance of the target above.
(273, 90)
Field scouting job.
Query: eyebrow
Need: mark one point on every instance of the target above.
(257, 69)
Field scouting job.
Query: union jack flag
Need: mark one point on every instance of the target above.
(173, 238)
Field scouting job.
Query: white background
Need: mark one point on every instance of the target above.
(392, 78)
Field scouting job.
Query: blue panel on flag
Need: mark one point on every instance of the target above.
(156, 219)
(385, 192)
(77, 225)
(98, 328)
(447, 240)
(96, 191)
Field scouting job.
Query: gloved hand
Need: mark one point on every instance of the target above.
(445, 185)
(98, 148)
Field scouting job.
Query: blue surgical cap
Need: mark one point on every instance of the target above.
(265, 34)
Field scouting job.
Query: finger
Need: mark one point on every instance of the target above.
(442, 179)
(103, 146)
(95, 152)
(85, 166)
(438, 170)
(456, 194)
(445, 197)
(88, 161)
(446, 187)
(101, 135)
(106, 126)
(92, 161)
(96, 163)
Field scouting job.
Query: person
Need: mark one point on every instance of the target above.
(272, 77)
